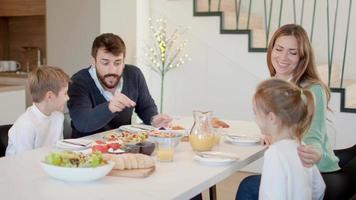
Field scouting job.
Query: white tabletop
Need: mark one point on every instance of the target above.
(21, 176)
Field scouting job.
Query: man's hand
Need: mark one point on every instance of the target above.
(308, 155)
(161, 120)
(120, 102)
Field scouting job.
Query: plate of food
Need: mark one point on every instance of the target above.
(127, 137)
(74, 166)
(215, 158)
(137, 128)
(112, 146)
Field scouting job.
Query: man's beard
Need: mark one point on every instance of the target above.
(110, 81)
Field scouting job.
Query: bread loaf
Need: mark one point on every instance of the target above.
(217, 123)
(130, 161)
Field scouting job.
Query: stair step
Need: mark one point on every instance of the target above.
(350, 91)
(348, 84)
(259, 38)
(256, 22)
(353, 106)
(225, 5)
(323, 71)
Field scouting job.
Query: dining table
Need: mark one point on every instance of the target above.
(21, 176)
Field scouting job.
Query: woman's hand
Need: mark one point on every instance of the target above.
(309, 155)
(266, 140)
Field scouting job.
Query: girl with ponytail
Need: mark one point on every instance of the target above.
(284, 113)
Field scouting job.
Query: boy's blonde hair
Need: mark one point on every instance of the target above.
(292, 105)
(44, 79)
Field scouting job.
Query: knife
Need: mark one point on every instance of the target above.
(75, 143)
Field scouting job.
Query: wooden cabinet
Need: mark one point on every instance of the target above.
(22, 7)
(22, 24)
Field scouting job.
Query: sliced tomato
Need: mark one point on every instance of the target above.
(114, 146)
(101, 148)
(99, 142)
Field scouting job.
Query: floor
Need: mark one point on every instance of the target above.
(226, 190)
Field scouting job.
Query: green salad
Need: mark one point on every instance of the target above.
(74, 159)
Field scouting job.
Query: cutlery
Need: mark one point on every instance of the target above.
(75, 143)
(143, 128)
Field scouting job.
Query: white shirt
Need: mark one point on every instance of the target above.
(284, 176)
(33, 129)
(107, 95)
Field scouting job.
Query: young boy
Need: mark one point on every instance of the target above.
(42, 123)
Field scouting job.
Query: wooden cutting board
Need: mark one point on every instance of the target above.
(133, 173)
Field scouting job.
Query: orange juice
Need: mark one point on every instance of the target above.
(216, 139)
(165, 154)
(203, 142)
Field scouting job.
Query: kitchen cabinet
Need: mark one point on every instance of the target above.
(16, 80)
(22, 25)
(22, 7)
(12, 103)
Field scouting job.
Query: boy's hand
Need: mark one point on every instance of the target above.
(308, 155)
(119, 102)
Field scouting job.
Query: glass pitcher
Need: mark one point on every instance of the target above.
(201, 136)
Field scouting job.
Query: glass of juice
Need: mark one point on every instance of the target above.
(165, 150)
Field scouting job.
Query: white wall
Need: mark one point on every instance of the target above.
(72, 26)
(119, 17)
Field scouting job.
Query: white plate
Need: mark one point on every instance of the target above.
(74, 144)
(243, 140)
(215, 158)
(143, 127)
(77, 174)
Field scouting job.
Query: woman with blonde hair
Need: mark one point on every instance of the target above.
(290, 57)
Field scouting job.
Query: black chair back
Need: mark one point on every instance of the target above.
(4, 138)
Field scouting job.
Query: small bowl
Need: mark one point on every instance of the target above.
(146, 147)
(131, 148)
(176, 139)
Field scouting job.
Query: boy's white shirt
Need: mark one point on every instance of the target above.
(284, 176)
(33, 129)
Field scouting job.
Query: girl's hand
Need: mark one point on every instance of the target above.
(309, 155)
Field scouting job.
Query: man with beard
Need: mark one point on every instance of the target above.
(104, 95)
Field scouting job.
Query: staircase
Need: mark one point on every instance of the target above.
(242, 17)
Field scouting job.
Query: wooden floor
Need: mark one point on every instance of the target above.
(226, 190)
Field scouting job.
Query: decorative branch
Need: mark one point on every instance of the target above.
(166, 51)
